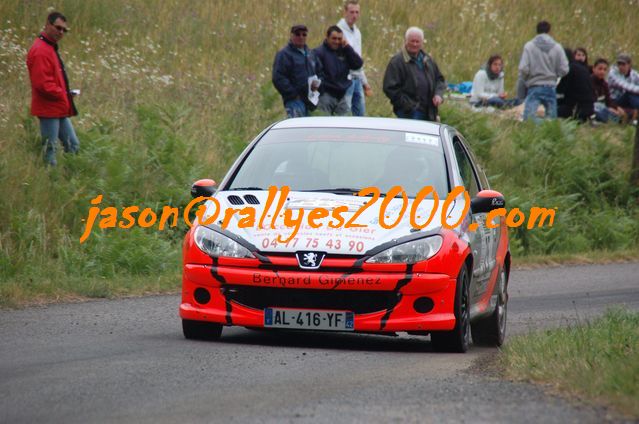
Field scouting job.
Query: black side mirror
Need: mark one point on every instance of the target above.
(204, 188)
(486, 201)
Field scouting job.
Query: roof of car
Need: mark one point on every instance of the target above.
(392, 124)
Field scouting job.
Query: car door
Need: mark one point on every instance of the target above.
(493, 235)
(482, 239)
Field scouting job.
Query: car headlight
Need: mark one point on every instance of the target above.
(409, 253)
(215, 244)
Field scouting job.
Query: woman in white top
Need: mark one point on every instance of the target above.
(488, 85)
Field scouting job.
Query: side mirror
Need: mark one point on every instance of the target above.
(486, 201)
(204, 188)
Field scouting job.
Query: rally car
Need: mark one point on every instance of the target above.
(274, 249)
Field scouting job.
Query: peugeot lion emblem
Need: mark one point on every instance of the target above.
(310, 260)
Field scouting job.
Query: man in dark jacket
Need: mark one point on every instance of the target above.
(51, 99)
(336, 58)
(412, 80)
(293, 66)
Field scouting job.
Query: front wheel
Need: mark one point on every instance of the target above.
(457, 340)
(491, 331)
(201, 330)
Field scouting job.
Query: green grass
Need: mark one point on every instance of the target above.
(598, 360)
(172, 91)
(30, 291)
(592, 257)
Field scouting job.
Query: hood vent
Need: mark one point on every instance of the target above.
(251, 200)
(235, 200)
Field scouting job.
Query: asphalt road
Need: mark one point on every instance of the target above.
(126, 361)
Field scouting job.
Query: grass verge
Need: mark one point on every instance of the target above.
(20, 293)
(598, 360)
(595, 257)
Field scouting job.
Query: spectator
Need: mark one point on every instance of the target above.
(412, 80)
(605, 108)
(355, 93)
(624, 85)
(293, 66)
(575, 93)
(51, 98)
(335, 58)
(543, 61)
(581, 55)
(488, 85)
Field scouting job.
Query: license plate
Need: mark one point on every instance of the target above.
(308, 319)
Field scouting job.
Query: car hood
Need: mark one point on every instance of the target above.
(344, 241)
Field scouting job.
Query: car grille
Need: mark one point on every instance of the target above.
(357, 301)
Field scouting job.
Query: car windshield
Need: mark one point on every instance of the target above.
(343, 160)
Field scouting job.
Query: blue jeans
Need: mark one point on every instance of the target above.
(355, 98)
(545, 95)
(602, 114)
(415, 114)
(628, 100)
(53, 129)
(295, 108)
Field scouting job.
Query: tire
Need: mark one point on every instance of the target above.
(457, 340)
(201, 330)
(491, 331)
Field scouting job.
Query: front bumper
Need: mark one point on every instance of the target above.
(400, 289)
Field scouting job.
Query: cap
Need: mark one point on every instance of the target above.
(623, 58)
(299, 27)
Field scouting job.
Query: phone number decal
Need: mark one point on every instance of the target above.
(315, 243)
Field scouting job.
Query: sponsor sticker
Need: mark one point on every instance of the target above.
(430, 140)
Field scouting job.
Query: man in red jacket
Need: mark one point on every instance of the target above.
(51, 99)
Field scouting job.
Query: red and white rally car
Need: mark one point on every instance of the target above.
(275, 262)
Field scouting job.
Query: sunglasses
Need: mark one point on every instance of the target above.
(61, 28)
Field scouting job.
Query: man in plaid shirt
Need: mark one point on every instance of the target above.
(624, 84)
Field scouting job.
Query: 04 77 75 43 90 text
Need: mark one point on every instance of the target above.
(315, 218)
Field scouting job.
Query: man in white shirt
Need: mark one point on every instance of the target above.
(359, 87)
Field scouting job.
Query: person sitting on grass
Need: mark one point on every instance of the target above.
(581, 55)
(575, 94)
(624, 85)
(605, 108)
(488, 85)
